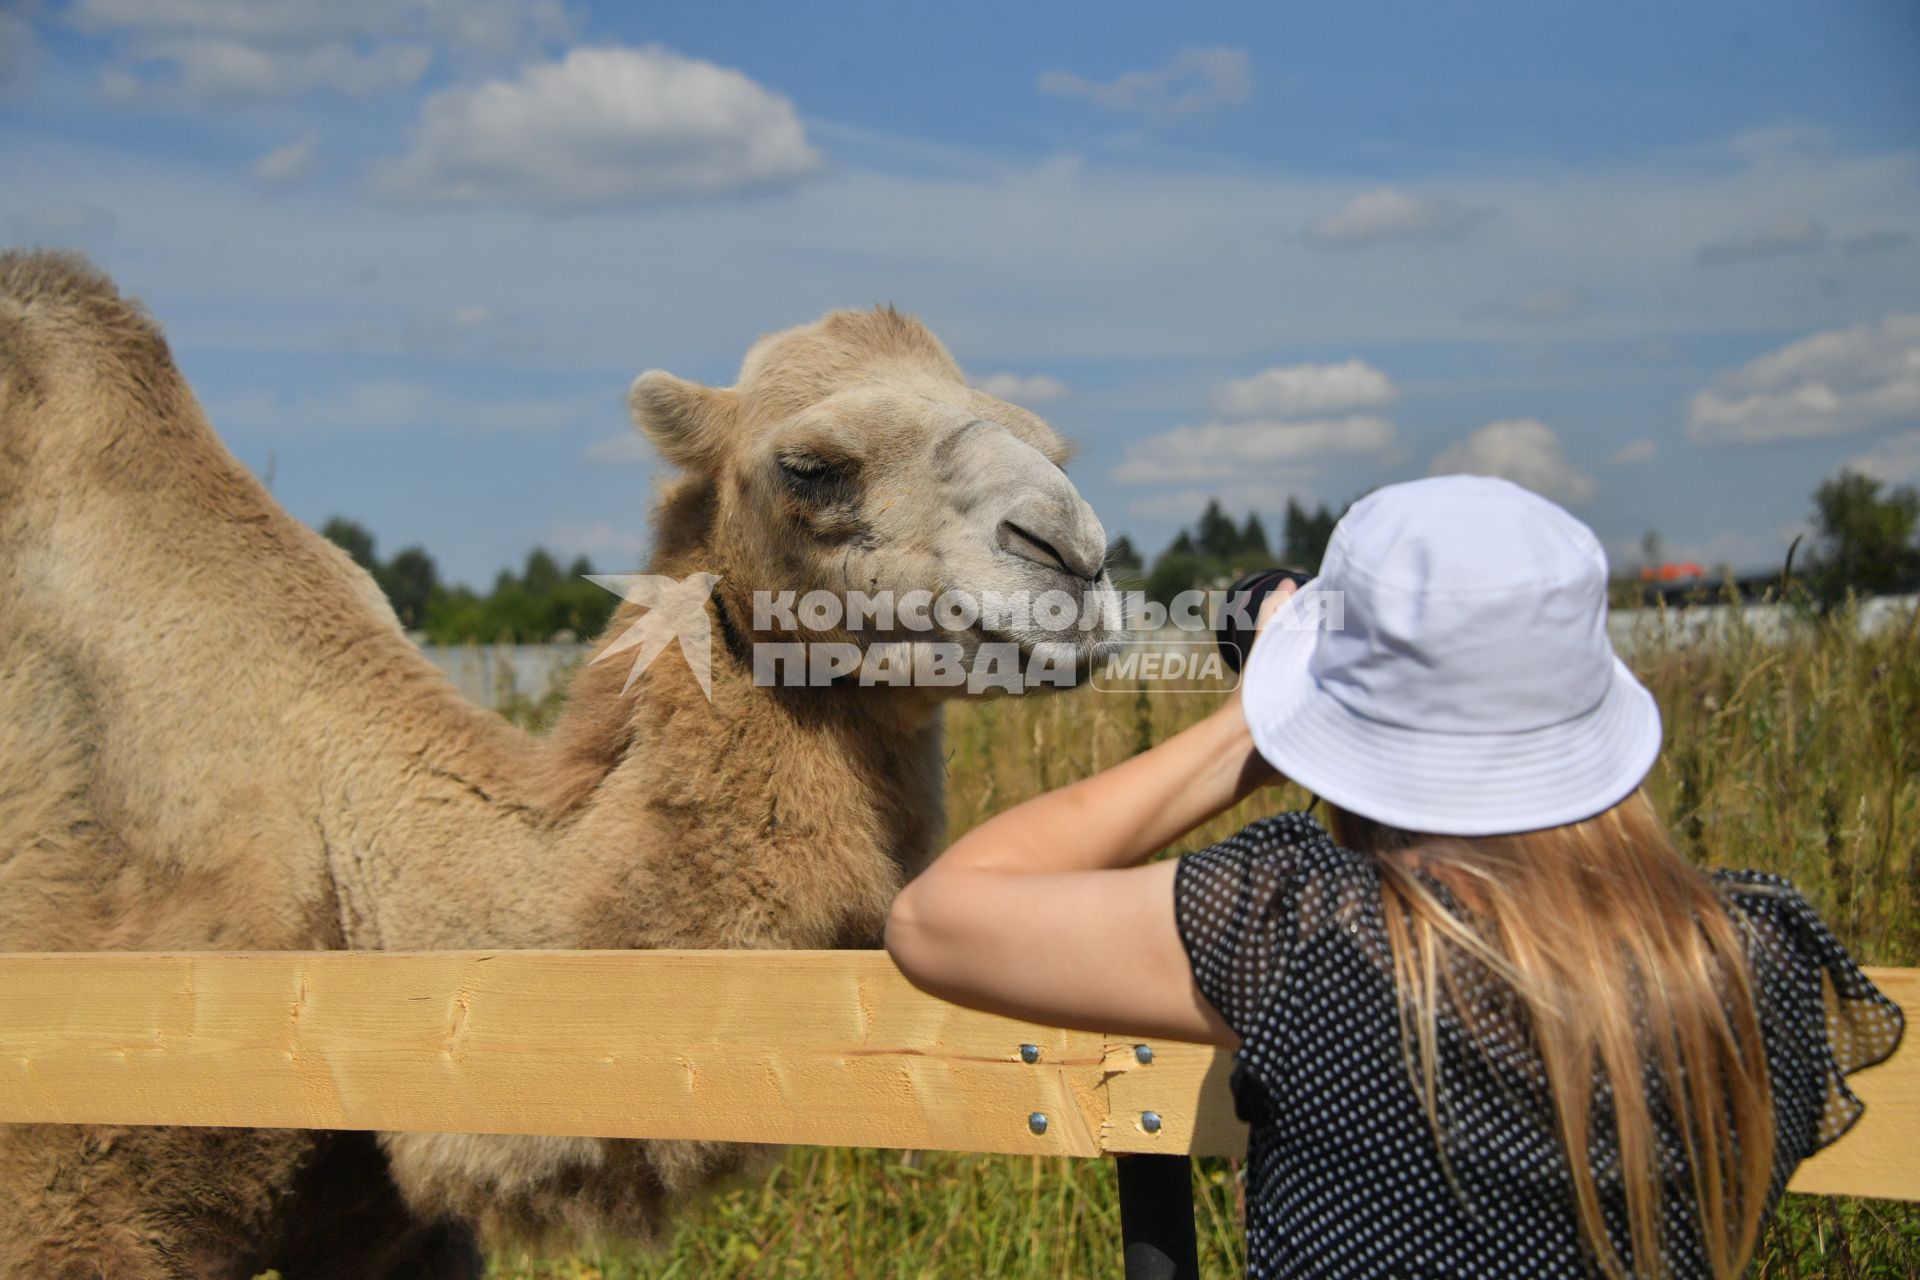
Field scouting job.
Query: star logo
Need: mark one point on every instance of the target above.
(675, 610)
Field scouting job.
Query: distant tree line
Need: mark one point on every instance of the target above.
(540, 603)
(1866, 541)
(1216, 550)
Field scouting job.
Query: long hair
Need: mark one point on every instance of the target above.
(1630, 971)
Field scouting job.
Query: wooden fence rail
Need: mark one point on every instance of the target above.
(830, 1048)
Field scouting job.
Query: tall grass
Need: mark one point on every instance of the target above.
(1801, 758)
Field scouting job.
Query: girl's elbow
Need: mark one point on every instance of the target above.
(904, 934)
(926, 937)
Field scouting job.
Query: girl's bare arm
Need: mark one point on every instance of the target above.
(1043, 912)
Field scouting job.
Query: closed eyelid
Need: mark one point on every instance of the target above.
(822, 453)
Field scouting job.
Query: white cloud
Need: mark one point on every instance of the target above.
(469, 326)
(20, 51)
(1522, 450)
(594, 538)
(1378, 217)
(220, 68)
(628, 449)
(602, 126)
(1266, 445)
(1231, 451)
(1779, 237)
(1192, 81)
(1289, 390)
(1552, 303)
(398, 405)
(466, 330)
(1024, 389)
(276, 48)
(1830, 384)
(1634, 452)
(1138, 272)
(1069, 252)
(1180, 506)
(503, 27)
(1895, 459)
(62, 226)
(286, 164)
(1786, 140)
(496, 26)
(1876, 240)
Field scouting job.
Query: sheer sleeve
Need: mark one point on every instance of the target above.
(1822, 1018)
(1236, 905)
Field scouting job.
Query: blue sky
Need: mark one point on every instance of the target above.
(1660, 262)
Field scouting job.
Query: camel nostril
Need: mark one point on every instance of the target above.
(1024, 543)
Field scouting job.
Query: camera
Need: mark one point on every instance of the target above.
(1234, 629)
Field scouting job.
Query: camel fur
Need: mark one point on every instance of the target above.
(215, 736)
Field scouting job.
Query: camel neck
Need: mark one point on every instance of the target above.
(755, 816)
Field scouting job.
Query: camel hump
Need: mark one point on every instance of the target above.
(53, 303)
(63, 296)
(64, 325)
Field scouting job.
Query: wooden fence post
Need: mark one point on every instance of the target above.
(1156, 1217)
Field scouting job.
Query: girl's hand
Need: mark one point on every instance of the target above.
(1271, 605)
(1268, 607)
(1044, 912)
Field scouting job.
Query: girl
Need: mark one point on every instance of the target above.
(1488, 1022)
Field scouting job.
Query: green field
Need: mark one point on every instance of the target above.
(1801, 758)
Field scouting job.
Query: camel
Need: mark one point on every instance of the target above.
(214, 735)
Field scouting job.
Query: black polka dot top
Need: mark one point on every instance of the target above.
(1287, 938)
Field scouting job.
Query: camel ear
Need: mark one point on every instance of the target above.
(687, 422)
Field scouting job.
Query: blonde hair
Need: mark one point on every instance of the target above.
(1623, 959)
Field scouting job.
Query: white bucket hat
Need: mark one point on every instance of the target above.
(1471, 688)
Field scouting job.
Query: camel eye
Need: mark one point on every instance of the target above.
(816, 479)
(802, 466)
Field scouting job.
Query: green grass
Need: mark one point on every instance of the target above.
(1801, 758)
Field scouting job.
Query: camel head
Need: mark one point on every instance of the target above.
(852, 457)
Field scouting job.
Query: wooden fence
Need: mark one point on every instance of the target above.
(830, 1048)
(818, 1047)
